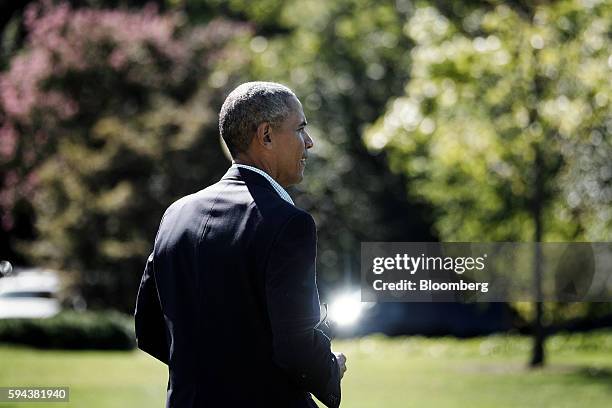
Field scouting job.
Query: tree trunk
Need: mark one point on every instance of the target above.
(537, 353)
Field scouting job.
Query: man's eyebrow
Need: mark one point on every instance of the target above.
(303, 123)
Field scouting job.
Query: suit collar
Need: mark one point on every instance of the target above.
(277, 187)
(250, 177)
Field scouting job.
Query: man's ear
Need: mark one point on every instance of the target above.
(263, 133)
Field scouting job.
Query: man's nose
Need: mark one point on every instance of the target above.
(308, 142)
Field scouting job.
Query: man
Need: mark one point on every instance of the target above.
(228, 298)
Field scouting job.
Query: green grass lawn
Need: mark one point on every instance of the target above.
(383, 373)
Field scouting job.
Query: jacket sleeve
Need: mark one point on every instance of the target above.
(293, 306)
(148, 318)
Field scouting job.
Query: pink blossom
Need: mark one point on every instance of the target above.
(40, 93)
(8, 141)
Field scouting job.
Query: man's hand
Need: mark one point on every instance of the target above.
(341, 359)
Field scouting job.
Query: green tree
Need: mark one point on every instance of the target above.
(504, 126)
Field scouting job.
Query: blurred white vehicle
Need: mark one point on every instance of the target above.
(29, 293)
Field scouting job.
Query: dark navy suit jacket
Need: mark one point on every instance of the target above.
(229, 301)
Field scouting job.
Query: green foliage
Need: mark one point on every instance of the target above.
(72, 330)
(506, 121)
(486, 96)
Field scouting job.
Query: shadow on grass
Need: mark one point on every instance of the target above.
(594, 374)
(569, 373)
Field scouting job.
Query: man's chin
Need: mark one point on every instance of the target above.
(297, 180)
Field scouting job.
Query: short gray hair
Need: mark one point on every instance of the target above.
(249, 105)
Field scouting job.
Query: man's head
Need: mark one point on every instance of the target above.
(263, 124)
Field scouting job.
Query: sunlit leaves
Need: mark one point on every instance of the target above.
(481, 95)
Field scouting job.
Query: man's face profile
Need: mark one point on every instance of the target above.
(291, 142)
